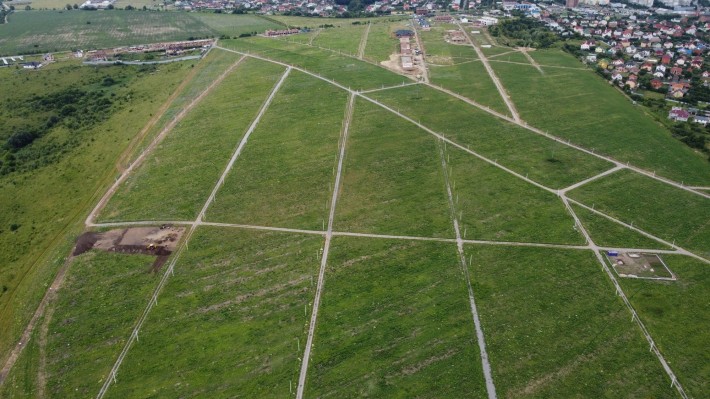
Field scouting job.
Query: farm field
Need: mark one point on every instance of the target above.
(43, 31)
(234, 315)
(284, 176)
(542, 160)
(348, 232)
(673, 215)
(497, 206)
(393, 182)
(671, 312)
(87, 326)
(613, 127)
(555, 323)
(146, 196)
(394, 323)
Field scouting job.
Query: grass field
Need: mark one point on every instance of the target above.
(381, 42)
(204, 131)
(676, 315)
(229, 322)
(609, 123)
(347, 71)
(514, 56)
(500, 207)
(542, 160)
(555, 57)
(555, 328)
(673, 214)
(345, 39)
(284, 175)
(394, 323)
(97, 306)
(48, 204)
(42, 31)
(607, 233)
(393, 182)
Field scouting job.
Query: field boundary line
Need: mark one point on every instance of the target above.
(679, 250)
(490, 57)
(591, 179)
(501, 89)
(532, 61)
(480, 338)
(389, 87)
(183, 245)
(620, 292)
(569, 143)
(313, 36)
(326, 248)
(157, 140)
(495, 163)
(546, 66)
(363, 42)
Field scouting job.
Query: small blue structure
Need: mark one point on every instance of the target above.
(612, 253)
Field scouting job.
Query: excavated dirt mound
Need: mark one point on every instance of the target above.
(158, 241)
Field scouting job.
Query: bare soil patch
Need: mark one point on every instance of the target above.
(159, 241)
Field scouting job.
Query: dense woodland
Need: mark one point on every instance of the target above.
(524, 32)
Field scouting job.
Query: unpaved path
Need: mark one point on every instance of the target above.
(326, 247)
(363, 43)
(532, 60)
(48, 297)
(485, 363)
(492, 74)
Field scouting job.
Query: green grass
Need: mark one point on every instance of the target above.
(582, 107)
(176, 179)
(555, 57)
(347, 71)
(555, 328)
(381, 42)
(230, 323)
(672, 214)
(49, 204)
(392, 180)
(394, 322)
(675, 313)
(284, 175)
(345, 39)
(471, 80)
(498, 206)
(527, 153)
(96, 309)
(610, 234)
(234, 25)
(511, 57)
(437, 50)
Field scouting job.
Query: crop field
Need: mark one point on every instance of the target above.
(671, 312)
(87, 326)
(393, 181)
(232, 313)
(542, 160)
(343, 230)
(284, 176)
(497, 206)
(42, 31)
(196, 152)
(395, 323)
(610, 124)
(557, 324)
(673, 214)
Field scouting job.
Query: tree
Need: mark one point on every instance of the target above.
(68, 6)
